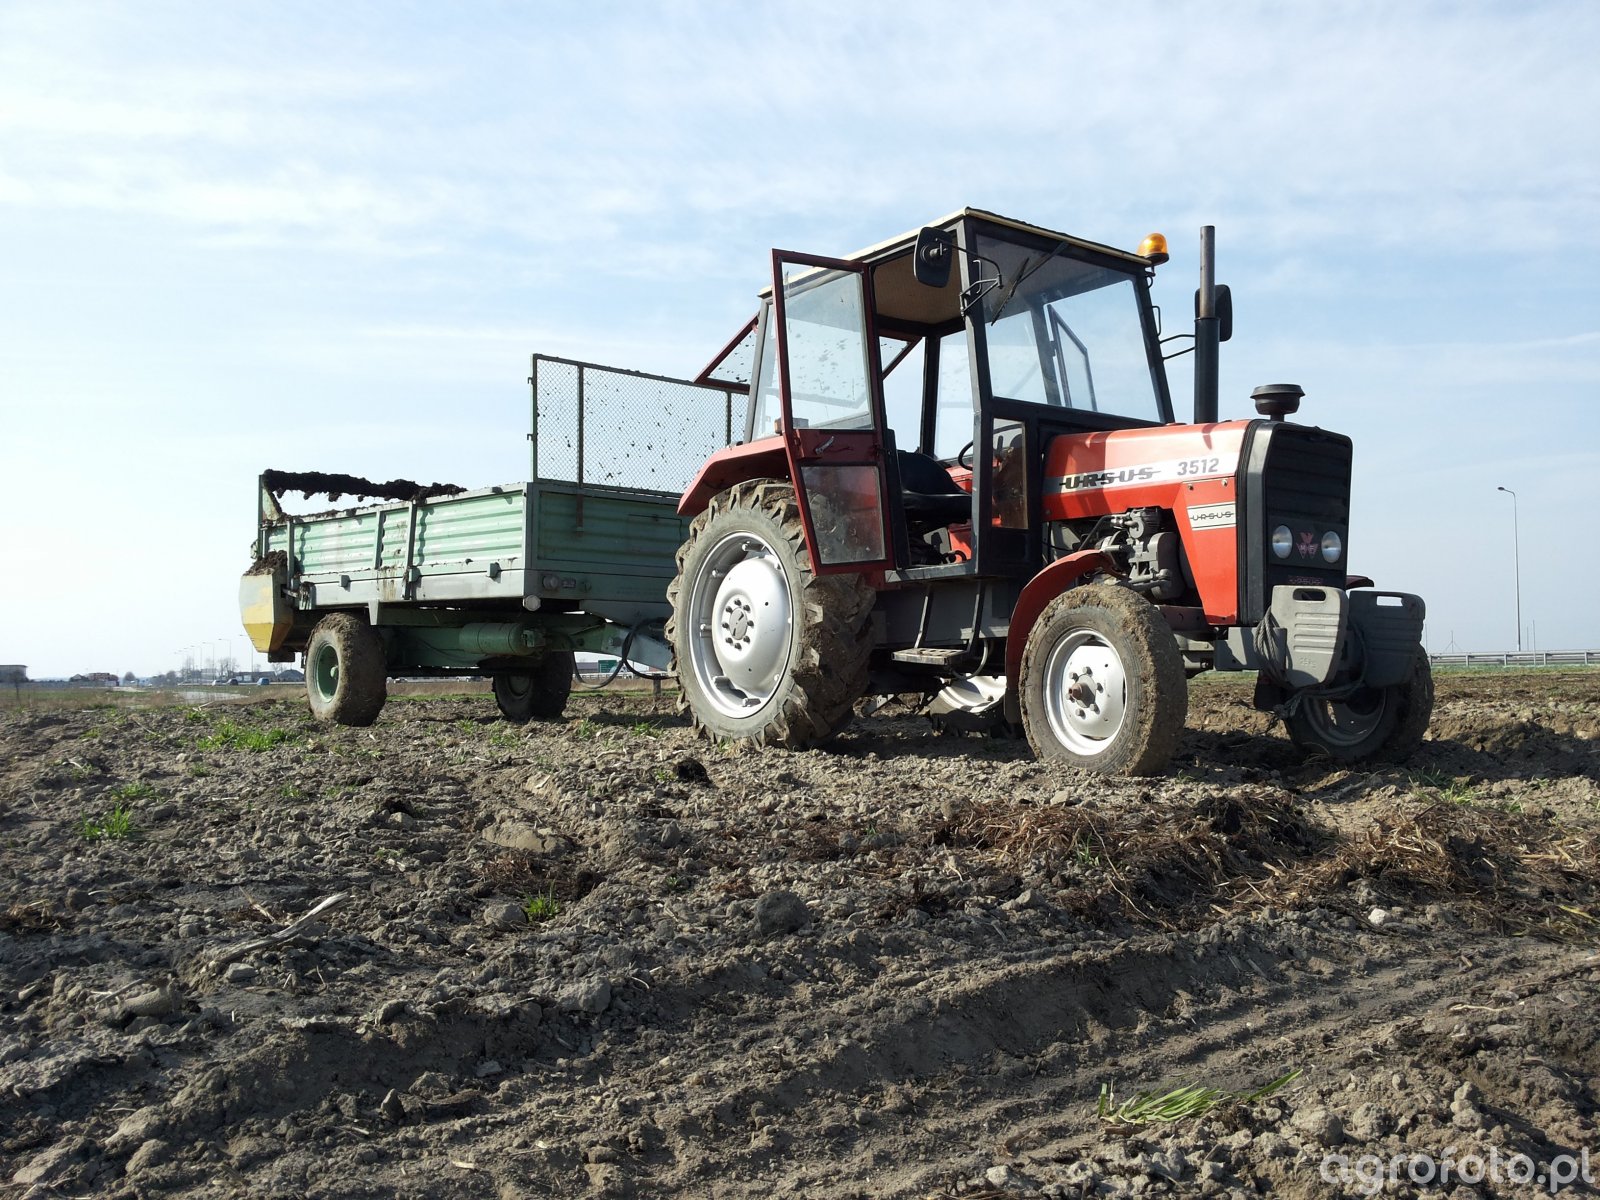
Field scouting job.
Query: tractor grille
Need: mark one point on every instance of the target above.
(1304, 483)
(1308, 483)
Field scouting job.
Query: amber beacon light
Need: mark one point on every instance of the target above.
(1154, 247)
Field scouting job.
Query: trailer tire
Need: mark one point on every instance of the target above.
(346, 671)
(766, 652)
(539, 693)
(1102, 684)
(1374, 724)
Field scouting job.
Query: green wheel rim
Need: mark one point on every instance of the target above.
(325, 673)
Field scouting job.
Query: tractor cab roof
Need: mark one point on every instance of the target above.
(901, 298)
(906, 308)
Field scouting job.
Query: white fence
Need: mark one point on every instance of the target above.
(1532, 658)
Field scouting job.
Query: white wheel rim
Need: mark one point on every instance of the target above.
(1085, 692)
(742, 623)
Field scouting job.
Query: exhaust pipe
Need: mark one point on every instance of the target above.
(1207, 331)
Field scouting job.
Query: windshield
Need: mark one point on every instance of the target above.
(1067, 333)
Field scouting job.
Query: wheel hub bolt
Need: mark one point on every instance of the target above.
(736, 620)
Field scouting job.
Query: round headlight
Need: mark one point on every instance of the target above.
(1282, 541)
(1332, 547)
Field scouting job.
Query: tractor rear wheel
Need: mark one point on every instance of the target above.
(346, 673)
(540, 693)
(1385, 723)
(766, 651)
(1102, 683)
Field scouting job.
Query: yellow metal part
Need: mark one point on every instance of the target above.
(266, 613)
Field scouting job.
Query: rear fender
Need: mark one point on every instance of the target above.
(765, 458)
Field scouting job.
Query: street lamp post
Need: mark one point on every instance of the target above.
(1516, 559)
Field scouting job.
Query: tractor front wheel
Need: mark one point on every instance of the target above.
(766, 651)
(1384, 724)
(540, 693)
(1102, 683)
(346, 673)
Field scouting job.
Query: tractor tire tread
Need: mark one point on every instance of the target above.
(362, 689)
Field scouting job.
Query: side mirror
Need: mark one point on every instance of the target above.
(934, 256)
(1223, 303)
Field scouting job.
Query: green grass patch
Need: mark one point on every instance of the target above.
(543, 906)
(115, 825)
(1084, 853)
(1449, 787)
(230, 735)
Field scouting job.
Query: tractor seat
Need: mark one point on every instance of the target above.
(930, 497)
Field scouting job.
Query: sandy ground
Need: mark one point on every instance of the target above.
(601, 957)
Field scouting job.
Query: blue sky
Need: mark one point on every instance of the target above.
(327, 236)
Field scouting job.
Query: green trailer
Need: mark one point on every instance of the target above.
(507, 582)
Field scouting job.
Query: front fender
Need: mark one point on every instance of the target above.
(1038, 592)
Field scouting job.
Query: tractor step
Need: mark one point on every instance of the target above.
(923, 657)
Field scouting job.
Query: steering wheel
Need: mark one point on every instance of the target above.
(961, 457)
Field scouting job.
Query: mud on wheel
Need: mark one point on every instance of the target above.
(1385, 723)
(1102, 682)
(346, 674)
(539, 693)
(766, 651)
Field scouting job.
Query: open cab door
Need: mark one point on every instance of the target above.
(834, 429)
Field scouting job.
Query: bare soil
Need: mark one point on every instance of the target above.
(602, 957)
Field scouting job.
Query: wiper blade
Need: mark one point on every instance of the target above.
(1022, 273)
(1027, 268)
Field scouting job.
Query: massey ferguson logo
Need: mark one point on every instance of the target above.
(1308, 545)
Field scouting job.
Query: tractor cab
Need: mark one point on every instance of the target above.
(882, 374)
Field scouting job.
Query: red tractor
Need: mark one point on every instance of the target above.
(962, 476)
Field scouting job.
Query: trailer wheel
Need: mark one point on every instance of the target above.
(540, 693)
(1102, 683)
(766, 651)
(1385, 723)
(346, 673)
